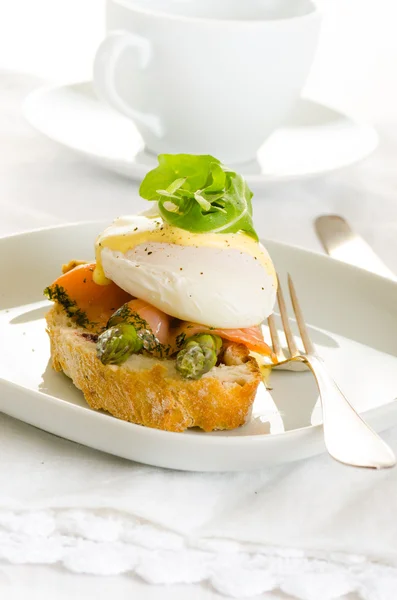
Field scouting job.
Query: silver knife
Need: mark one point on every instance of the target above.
(342, 243)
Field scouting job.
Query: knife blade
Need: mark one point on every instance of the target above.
(342, 243)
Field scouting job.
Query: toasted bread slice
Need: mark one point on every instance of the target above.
(151, 392)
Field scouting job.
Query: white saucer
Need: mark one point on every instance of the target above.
(316, 140)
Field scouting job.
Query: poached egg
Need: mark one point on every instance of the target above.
(221, 280)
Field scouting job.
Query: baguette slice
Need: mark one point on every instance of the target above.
(149, 391)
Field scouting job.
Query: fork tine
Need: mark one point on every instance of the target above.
(308, 345)
(277, 349)
(292, 347)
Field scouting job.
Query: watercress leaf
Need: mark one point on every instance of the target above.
(167, 194)
(205, 205)
(209, 196)
(175, 185)
(194, 168)
(218, 177)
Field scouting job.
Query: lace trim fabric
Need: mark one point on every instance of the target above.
(111, 543)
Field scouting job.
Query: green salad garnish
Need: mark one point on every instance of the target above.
(199, 194)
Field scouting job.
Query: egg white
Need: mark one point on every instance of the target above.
(219, 287)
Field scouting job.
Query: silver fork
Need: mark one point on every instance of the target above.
(347, 437)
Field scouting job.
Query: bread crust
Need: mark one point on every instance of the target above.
(149, 391)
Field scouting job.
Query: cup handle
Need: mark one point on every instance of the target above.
(105, 64)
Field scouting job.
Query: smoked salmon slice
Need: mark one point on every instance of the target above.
(88, 303)
(143, 315)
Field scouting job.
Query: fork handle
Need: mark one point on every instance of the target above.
(347, 437)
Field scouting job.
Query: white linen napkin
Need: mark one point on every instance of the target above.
(314, 529)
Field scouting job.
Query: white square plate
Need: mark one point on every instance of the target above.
(353, 321)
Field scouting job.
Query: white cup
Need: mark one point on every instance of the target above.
(206, 76)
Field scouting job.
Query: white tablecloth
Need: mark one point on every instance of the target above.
(42, 184)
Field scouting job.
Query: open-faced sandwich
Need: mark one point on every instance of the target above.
(163, 328)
